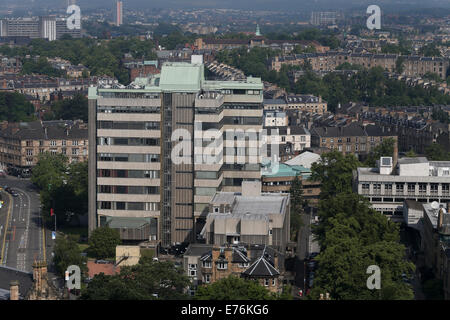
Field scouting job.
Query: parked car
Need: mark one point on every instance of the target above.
(312, 264)
(312, 255)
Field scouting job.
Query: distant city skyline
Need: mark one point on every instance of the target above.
(283, 5)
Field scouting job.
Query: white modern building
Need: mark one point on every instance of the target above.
(389, 185)
(275, 119)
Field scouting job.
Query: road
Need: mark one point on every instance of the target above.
(305, 246)
(23, 237)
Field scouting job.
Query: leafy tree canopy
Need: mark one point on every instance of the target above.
(233, 288)
(103, 242)
(148, 280)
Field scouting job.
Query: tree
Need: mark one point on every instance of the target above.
(436, 152)
(148, 280)
(430, 50)
(351, 214)
(63, 187)
(433, 289)
(334, 171)
(385, 149)
(103, 242)
(50, 170)
(71, 109)
(399, 67)
(233, 288)
(297, 204)
(353, 236)
(67, 252)
(411, 154)
(14, 107)
(342, 271)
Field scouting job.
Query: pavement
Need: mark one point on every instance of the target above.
(306, 245)
(23, 237)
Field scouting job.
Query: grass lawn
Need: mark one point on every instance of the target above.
(80, 231)
(82, 246)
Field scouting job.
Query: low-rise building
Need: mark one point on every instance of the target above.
(436, 243)
(206, 264)
(275, 119)
(250, 217)
(280, 181)
(390, 184)
(293, 138)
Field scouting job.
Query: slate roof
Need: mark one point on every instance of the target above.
(8, 274)
(352, 130)
(376, 131)
(239, 255)
(198, 249)
(46, 130)
(262, 267)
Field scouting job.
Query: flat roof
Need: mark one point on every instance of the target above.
(286, 170)
(257, 206)
(412, 160)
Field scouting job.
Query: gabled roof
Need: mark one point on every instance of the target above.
(239, 256)
(207, 256)
(261, 268)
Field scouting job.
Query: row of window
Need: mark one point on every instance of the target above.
(128, 157)
(348, 148)
(29, 143)
(130, 95)
(128, 141)
(349, 139)
(129, 125)
(131, 109)
(411, 187)
(118, 205)
(75, 151)
(128, 189)
(108, 173)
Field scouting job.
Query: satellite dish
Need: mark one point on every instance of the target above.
(435, 205)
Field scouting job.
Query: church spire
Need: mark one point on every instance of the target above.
(258, 32)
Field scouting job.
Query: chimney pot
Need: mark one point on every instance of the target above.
(14, 290)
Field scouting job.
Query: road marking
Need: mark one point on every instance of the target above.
(14, 234)
(43, 237)
(6, 228)
(22, 256)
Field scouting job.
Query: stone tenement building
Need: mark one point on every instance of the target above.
(300, 102)
(258, 41)
(21, 143)
(413, 131)
(206, 264)
(353, 138)
(413, 65)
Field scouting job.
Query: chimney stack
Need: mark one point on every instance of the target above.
(14, 290)
(395, 156)
(440, 219)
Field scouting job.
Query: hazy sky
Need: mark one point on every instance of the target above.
(246, 4)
